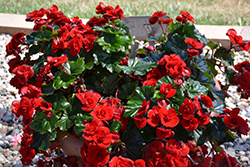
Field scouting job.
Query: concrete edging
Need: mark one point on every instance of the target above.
(12, 23)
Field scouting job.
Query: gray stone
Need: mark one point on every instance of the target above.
(7, 165)
(1, 149)
(18, 165)
(242, 153)
(244, 158)
(3, 129)
(231, 151)
(6, 152)
(248, 109)
(7, 118)
(2, 144)
(9, 137)
(240, 148)
(247, 141)
(248, 114)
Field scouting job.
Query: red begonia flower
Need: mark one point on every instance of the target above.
(185, 17)
(102, 136)
(115, 137)
(155, 73)
(27, 153)
(177, 148)
(88, 41)
(163, 102)
(187, 109)
(144, 108)
(171, 160)
(121, 162)
(12, 48)
(166, 89)
(90, 130)
(24, 107)
(168, 117)
(100, 9)
(207, 101)
(140, 121)
(234, 120)
(103, 113)
(89, 100)
(245, 45)
(190, 124)
(31, 91)
(109, 102)
(245, 64)
(243, 80)
(153, 117)
(243, 128)
(203, 120)
(162, 132)
(167, 21)
(75, 44)
(23, 73)
(150, 82)
(156, 17)
(35, 15)
(194, 52)
(150, 48)
(194, 43)
(97, 155)
(94, 21)
(57, 61)
(232, 34)
(140, 163)
(186, 72)
(113, 14)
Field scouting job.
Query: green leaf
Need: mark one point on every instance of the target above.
(109, 84)
(190, 31)
(89, 63)
(211, 67)
(216, 129)
(78, 128)
(148, 134)
(204, 72)
(127, 90)
(108, 61)
(213, 45)
(34, 49)
(42, 123)
(75, 106)
(166, 79)
(48, 89)
(33, 37)
(229, 137)
(63, 80)
(115, 126)
(58, 101)
(195, 88)
(47, 35)
(141, 94)
(65, 122)
(199, 137)
(226, 59)
(137, 66)
(74, 67)
(173, 26)
(133, 143)
(40, 139)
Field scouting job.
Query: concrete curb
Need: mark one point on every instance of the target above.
(12, 23)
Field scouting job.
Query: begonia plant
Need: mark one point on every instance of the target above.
(157, 106)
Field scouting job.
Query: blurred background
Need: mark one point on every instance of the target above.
(209, 12)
